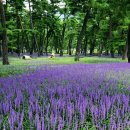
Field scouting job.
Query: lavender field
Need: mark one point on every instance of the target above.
(67, 97)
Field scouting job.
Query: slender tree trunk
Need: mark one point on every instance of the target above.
(124, 56)
(112, 52)
(110, 38)
(107, 52)
(101, 49)
(18, 45)
(27, 43)
(92, 45)
(81, 50)
(105, 42)
(128, 37)
(56, 44)
(63, 32)
(46, 48)
(40, 44)
(62, 41)
(85, 45)
(0, 49)
(93, 40)
(22, 38)
(22, 41)
(70, 45)
(20, 35)
(34, 39)
(46, 39)
(4, 35)
(42, 40)
(80, 37)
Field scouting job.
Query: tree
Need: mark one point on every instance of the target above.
(87, 26)
(125, 50)
(34, 39)
(80, 37)
(4, 35)
(128, 53)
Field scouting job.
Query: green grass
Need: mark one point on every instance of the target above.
(86, 60)
(18, 65)
(101, 60)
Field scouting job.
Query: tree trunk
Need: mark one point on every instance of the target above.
(70, 45)
(80, 37)
(124, 56)
(22, 41)
(85, 45)
(55, 40)
(63, 32)
(62, 41)
(27, 43)
(112, 52)
(0, 49)
(46, 40)
(107, 52)
(4, 36)
(93, 40)
(48, 35)
(19, 26)
(110, 38)
(34, 39)
(128, 37)
(46, 48)
(92, 46)
(41, 44)
(18, 45)
(101, 49)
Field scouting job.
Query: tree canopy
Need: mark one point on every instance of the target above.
(67, 26)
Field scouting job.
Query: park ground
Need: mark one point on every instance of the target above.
(17, 65)
(61, 94)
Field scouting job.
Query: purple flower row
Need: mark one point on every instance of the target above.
(67, 97)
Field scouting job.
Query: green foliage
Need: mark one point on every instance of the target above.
(43, 24)
(26, 121)
(4, 123)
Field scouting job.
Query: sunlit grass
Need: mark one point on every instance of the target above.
(18, 65)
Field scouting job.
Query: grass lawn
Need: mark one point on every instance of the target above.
(18, 65)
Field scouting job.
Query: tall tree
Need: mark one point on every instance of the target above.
(34, 39)
(81, 35)
(0, 48)
(4, 35)
(128, 53)
(125, 49)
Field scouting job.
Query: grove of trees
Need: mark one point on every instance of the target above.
(71, 26)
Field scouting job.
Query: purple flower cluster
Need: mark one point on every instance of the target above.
(71, 97)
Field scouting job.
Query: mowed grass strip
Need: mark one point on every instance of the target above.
(18, 66)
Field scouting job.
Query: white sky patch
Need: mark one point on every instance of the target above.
(26, 5)
(49, 1)
(4, 1)
(61, 5)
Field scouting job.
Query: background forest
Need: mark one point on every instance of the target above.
(67, 26)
